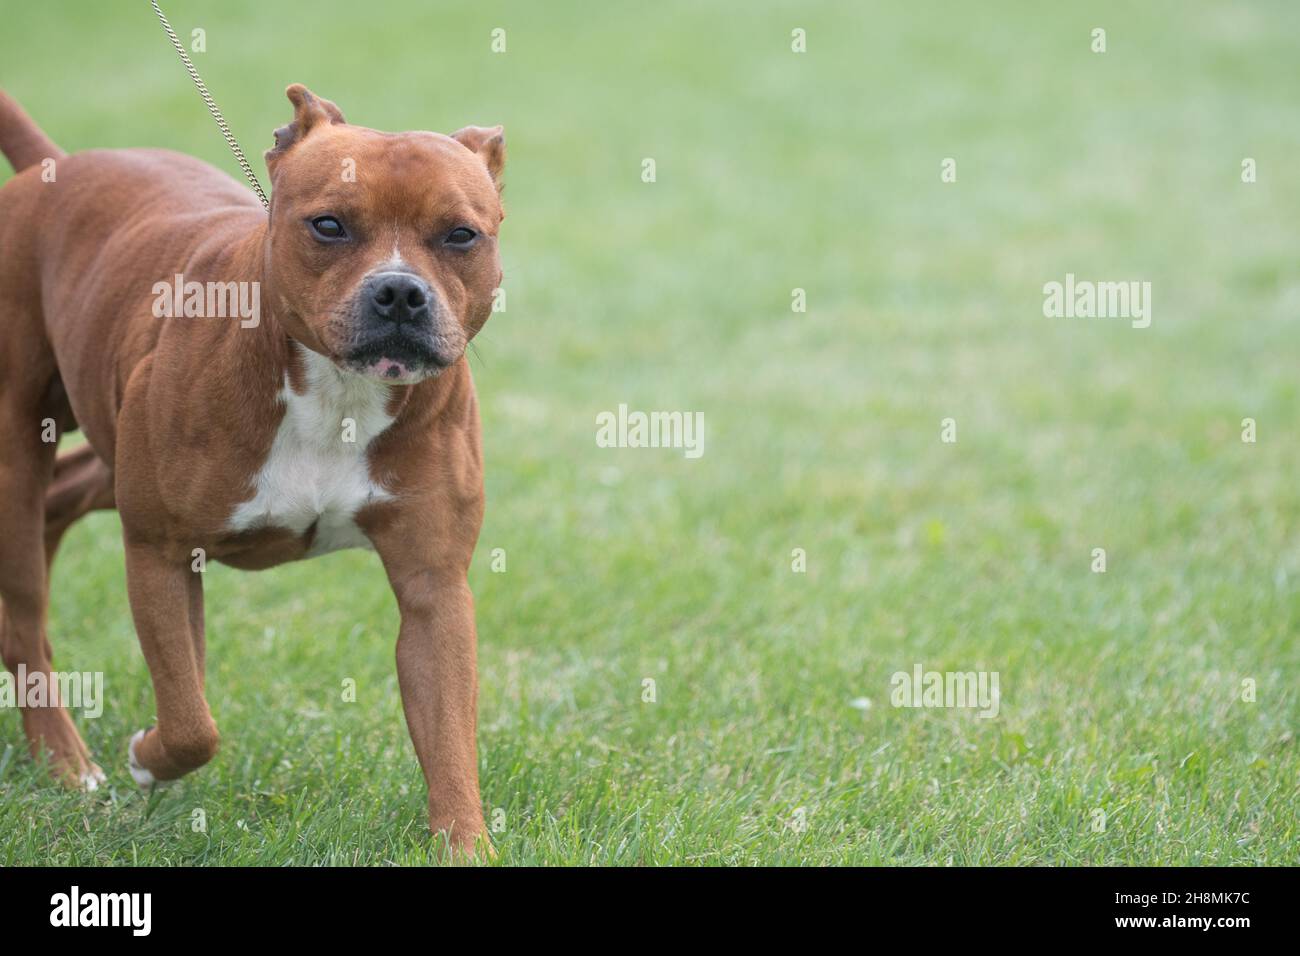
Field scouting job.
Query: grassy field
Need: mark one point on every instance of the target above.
(772, 739)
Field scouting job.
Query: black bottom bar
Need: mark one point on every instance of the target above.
(1224, 906)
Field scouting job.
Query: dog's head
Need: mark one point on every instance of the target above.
(383, 246)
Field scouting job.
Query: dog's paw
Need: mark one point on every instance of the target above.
(92, 778)
(138, 772)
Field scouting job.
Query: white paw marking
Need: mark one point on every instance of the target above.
(91, 780)
(138, 773)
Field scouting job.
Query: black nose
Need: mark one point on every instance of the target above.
(399, 296)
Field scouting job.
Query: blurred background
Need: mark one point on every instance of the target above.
(771, 738)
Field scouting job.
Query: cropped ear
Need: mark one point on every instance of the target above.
(489, 143)
(309, 111)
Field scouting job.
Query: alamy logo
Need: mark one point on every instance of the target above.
(208, 300)
(956, 689)
(1083, 299)
(133, 910)
(651, 430)
(72, 689)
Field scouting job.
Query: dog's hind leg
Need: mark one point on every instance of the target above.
(82, 484)
(26, 470)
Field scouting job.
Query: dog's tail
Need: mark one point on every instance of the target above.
(21, 140)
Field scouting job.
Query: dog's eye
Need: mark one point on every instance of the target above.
(461, 236)
(327, 228)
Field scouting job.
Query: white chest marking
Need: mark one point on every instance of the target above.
(313, 473)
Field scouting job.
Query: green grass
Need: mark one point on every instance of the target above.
(1120, 691)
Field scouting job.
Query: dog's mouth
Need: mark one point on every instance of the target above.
(391, 370)
(398, 359)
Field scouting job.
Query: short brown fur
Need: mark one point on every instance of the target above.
(179, 414)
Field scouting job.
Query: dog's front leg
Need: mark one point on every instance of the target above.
(437, 671)
(438, 675)
(164, 594)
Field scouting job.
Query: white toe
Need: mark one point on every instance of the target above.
(138, 773)
(90, 781)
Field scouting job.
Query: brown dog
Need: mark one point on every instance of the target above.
(337, 411)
